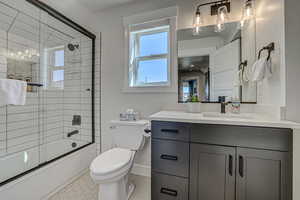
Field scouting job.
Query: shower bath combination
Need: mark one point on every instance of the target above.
(58, 118)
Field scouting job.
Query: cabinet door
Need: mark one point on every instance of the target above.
(212, 172)
(262, 175)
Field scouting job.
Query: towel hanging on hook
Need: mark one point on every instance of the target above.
(243, 76)
(269, 48)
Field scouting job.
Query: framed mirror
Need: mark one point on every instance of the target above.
(211, 64)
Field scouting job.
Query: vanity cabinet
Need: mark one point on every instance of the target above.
(220, 162)
(219, 173)
(212, 170)
(262, 175)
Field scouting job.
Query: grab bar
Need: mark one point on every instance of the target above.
(72, 133)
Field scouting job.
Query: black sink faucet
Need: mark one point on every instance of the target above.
(222, 100)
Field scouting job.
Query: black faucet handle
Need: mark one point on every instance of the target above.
(222, 99)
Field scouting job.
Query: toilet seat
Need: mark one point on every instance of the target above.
(112, 163)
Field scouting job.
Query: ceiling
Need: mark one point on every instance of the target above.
(102, 4)
(194, 64)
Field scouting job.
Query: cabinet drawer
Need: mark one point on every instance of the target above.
(170, 130)
(170, 157)
(164, 187)
(243, 136)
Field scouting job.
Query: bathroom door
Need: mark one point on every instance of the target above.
(223, 70)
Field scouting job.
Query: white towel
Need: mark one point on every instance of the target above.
(12, 92)
(261, 69)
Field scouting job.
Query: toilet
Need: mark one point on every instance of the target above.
(111, 169)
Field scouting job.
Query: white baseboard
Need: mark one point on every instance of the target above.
(53, 192)
(141, 170)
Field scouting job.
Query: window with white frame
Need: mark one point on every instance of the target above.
(56, 64)
(149, 54)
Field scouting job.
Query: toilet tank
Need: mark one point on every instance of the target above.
(129, 134)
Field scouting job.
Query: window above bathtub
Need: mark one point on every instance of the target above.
(150, 43)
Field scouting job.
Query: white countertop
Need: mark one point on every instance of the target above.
(249, 120)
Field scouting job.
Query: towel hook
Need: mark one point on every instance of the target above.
(269, 48)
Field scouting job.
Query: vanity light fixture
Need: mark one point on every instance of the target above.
(221, 19)
(248, 12)
(220, 8)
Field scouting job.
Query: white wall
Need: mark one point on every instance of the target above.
(292, 32)
(270, 28)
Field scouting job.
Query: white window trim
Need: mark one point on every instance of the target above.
(159, 15)
(133, 65)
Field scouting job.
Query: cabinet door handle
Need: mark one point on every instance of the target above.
(169, 157)
(241, 166)
(169, 192)
(230, 165)
(169, 130)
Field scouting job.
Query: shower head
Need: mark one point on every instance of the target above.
(72, 47)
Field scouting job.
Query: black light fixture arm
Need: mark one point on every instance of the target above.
(211, 3)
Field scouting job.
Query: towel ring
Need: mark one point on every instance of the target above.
(269, 48)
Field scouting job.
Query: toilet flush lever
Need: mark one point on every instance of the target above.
(148, 132)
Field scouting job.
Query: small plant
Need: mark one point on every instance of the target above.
(194, 99)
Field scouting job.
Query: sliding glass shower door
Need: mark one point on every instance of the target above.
(56, 61)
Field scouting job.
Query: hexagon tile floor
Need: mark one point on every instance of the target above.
(84, 189)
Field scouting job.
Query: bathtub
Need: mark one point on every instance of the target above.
(17, 163)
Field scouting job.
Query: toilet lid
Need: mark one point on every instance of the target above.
(111, 160)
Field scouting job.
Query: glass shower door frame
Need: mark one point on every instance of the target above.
(52, 12)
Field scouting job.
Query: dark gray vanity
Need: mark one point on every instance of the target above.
(220, 162)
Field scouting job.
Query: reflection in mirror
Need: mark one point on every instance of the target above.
(209, 64)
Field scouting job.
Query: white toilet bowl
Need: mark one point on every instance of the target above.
(110, 170)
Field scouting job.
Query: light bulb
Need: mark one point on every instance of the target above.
(196, 30)
(219, 27)
(198, 22)
(25, 157)
(248, 10)
(242, 22)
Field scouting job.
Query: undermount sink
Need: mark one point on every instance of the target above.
(228, 115)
